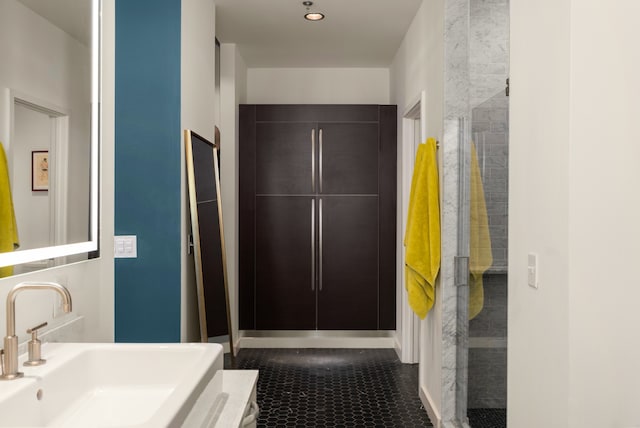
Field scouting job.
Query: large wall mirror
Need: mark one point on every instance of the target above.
(49, 131)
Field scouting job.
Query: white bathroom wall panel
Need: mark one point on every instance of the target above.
(417, 66)
(197, 114)
(198, 67)
(233, 91)
(604, 345)
(538, 334)
(105, 282)
(318, 86)
(573, 349)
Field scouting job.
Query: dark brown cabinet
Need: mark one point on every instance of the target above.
(348, 293)
(317, 217)
(284, 158)
(284, 280)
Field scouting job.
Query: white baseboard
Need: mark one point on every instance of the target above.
(398, 347)
(432, 412)
(316, 342)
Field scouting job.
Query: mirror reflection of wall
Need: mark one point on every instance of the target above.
(31, 133)
(45, 105)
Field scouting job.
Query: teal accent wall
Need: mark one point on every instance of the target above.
(147, 169)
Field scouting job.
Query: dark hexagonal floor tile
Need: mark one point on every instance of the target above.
(335, 388)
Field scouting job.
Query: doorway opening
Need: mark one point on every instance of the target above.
(39, 152)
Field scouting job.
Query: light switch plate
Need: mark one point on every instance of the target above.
(532, 270)
(125, 247)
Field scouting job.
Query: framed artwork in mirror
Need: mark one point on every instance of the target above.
(40, 170)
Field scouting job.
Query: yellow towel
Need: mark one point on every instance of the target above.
(8, 227)
(422, 238)
(480, 257)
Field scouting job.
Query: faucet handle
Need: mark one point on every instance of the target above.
(35, 355)
(33, 331)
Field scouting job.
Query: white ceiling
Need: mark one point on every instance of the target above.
(355, 33)
(273, 33)
(71, 16)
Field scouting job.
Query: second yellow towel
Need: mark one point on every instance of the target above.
(480, 257)
(8, 227)
(422, 238)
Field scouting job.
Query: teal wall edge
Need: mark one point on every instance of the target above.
(147, 169)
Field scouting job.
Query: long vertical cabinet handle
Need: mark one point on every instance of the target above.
(313, 160)
(320, 245)
(313, 244)
(320, 160)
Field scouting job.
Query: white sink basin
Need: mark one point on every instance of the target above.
(110, 385)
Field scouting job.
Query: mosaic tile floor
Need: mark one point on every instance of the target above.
(487, 418)
(334, 388)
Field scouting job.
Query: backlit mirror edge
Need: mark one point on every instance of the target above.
(36, 254)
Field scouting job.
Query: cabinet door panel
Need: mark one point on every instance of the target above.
(284, 158)
(387, 213)
(348, 299)
(246, 218)
(285, 289)
(316, 112)
(349, 157)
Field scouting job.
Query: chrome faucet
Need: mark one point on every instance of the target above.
(10, 358)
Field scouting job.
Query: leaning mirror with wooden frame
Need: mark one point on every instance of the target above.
(203, 173)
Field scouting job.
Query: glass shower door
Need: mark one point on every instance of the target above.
(487, 329)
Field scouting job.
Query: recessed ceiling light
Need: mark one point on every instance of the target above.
(314, 16)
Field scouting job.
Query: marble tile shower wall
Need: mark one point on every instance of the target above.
(490, 132)
(488, 71)
(488, 48)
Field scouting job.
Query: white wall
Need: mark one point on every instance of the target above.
(233, 91)
(197, 114)
(573, 348)
(90, 282)
(318, 86)
(538, 334)
(44, 63)
(604, 345)
(105, 281)
(418, 65)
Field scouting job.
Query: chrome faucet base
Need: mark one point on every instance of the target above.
(39, 362)
(11, 376)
